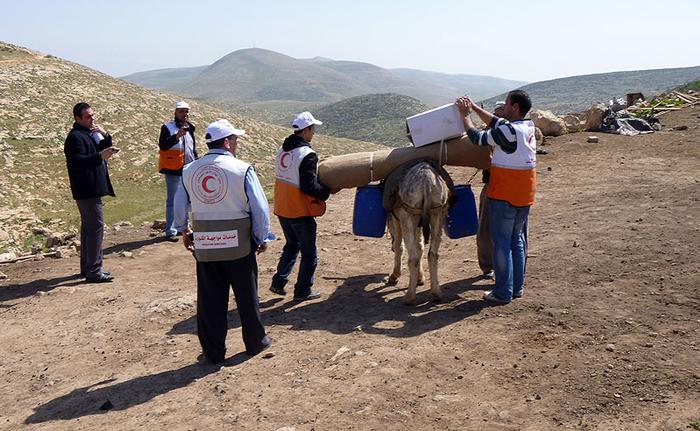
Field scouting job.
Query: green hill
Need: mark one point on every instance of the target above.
(37, 96)
(578, 93)
(263, 78)
(164, 79)
(372, 117)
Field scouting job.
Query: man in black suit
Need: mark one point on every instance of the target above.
(88, 147)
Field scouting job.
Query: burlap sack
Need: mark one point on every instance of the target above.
(359, 169)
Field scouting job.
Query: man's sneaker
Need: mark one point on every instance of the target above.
(490, 275)
(312, 295)
(172, 238)
(517, 295)
(490, 297)
(278, 290)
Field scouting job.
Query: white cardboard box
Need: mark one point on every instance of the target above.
(443, 122)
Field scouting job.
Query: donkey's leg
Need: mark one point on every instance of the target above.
(409, 226)
(437, 218)
(419, 241)
(396, 247)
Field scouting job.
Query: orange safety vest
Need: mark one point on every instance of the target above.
(290, 201)
(513, 177)
(173, 159)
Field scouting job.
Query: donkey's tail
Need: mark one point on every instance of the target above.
(425, 215)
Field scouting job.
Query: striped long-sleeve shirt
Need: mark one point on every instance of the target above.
(500, 133)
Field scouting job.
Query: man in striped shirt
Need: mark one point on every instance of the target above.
(511, 188)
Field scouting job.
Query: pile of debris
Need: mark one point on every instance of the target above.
(632, 115)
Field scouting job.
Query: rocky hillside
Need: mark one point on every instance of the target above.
(373, 117)
(577, 93)
(37, 93)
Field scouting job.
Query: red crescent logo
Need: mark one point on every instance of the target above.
(282, 163)
(204, 184)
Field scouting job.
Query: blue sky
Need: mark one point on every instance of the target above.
(525, 40)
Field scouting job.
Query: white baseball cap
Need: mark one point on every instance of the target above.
(182, 105)
(500, 104)
(220, 129)
(304, 120)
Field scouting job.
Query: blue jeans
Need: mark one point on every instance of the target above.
(300, 236)
(507, 233)
(172, 182)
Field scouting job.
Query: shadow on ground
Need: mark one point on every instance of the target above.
(101, 397)
(16, 291)
(358, 302)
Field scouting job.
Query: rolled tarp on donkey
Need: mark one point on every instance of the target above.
(359, 169)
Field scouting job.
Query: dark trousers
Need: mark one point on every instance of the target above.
(213, 282)
(91, 233)
(300, 236)
(484, 245)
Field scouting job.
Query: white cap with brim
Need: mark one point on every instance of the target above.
(220, 129)
(182, 105)
(304, 120)
(500, 104)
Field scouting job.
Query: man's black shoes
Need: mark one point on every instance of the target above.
(313, 294)
(104, 277)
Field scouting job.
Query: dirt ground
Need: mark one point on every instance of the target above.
(606, 337)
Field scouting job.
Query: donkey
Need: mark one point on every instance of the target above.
(422, 200)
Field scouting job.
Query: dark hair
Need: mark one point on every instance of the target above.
(214, 144)
(522, 99)
(298, 131)
(78, 109)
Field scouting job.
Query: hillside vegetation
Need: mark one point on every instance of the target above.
(253, 76)
(37, 93)
(374, 117)
(578, 93)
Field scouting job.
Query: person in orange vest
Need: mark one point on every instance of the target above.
(511, 188)
(177, 148)
(299, 197)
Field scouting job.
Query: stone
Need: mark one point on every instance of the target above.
(573, 123)
(539, 137)
(680, 128)
(54, 240)
(126, 254)
(340, 352)
(4, 236)
(170, 305)
(158, 225)
(40, 230)
(4, 257)
(107, 405)
(549, 123)
(221, 388)
(594, 117)
(592, 140)
(3, 276)
(610, 347)
(63, 252)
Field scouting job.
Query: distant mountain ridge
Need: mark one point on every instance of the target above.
(578, 93)
(255, 75)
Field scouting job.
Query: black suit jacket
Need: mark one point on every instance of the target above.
(88, 173)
